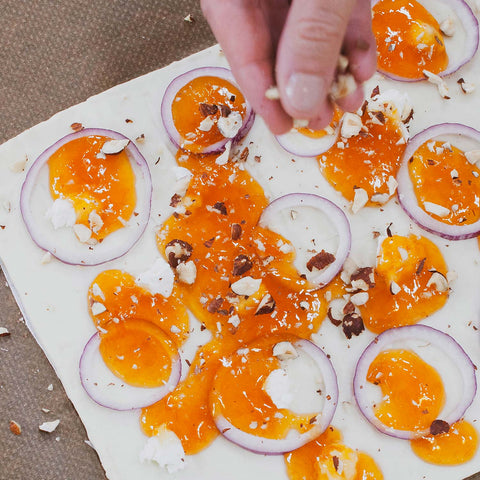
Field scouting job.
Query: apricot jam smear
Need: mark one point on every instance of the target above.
(369, 160)
(94, 182)
(454, 447)
(409, 39)
(405, 290)
(238, 392)
(139, 332)
(412, 390)
(223, 205)
(327, 458)
(442, 175)
(200, 98)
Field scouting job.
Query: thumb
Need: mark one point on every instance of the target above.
(307, 56)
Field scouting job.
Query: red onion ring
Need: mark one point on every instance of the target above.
(171, 91)
(444, 343)
(109, 391)
(334, 214)
(294, 439)
(296, 143)
(470, 26)
(63, 244)
(406, 194)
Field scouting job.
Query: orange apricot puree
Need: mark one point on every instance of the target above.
(413, 393)
(366, 160)
(327, 458)
(407, 263)
(442, 175)
(124, 300)
(454, 447)
(105, 186)
(217, 94)
(223, 205)
(139, 352)
(238, 394)
(139, 332)
(408, 39)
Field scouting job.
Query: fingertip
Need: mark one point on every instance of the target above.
(363, 59)
(353, 101)
(277, 121)
(324, 119)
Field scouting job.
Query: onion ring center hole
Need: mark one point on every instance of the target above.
(309, 230)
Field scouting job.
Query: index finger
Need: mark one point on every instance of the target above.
(244, 32)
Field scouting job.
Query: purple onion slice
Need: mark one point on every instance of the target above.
(294, 439)
(457, 135)
(436, 348)
(302, 145)
(332, 213)
(469, 24)
(179, 82)
(109, 391)
(35, 199)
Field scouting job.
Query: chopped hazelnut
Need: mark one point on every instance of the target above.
(15, 427)
(242, 264)
(284, 351)
(439, 281)
(187, 272)
(177, 251)
(320, 261)
(111, 147)
(266, 305)
(246, 286)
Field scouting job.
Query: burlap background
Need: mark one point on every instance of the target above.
(54, 54)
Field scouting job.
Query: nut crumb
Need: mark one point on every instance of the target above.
(15, 427)
(272, 93)
(4, 332)
(49, 427)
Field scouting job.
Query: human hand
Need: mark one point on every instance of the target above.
(296, 47)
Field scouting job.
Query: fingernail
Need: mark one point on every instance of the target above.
(305, 92)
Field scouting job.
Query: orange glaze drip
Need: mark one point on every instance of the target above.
(106, 186)
(408, 39)
(327, 458)
(138, 352)
(238, 393)
(433, 181)
(186, 410)
(187, 114)
(213, 251)
(366, 160)
(125, 300)
(455, 447)
(412, 389)
(415, 300)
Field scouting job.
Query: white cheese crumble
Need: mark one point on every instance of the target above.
(158, 278)
(165, 449)
(229, 126)
(61, 213)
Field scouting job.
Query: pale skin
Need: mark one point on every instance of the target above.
(294, 45)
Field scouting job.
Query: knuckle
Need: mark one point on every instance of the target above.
(316, 32)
